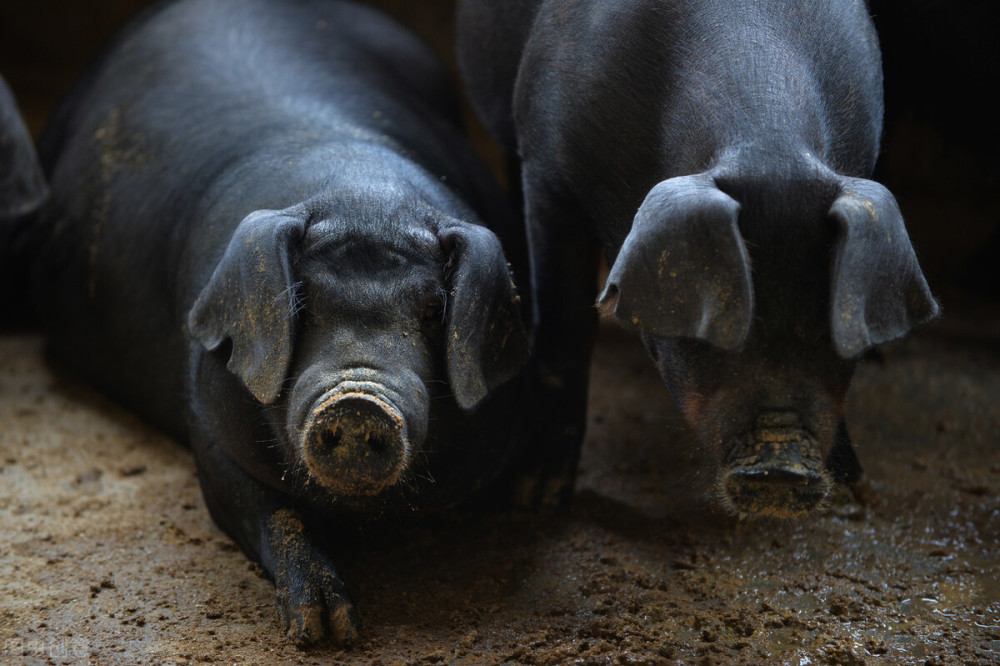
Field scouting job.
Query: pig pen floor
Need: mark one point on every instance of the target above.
(107, 553)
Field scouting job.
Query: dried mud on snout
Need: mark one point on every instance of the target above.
(108, 555)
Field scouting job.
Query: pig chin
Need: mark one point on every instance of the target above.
(355, 440)
(775, 469)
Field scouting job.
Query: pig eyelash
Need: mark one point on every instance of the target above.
(448, 267)
(437, 305)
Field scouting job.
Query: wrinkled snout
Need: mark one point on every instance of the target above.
(777, 470)
(355, 442)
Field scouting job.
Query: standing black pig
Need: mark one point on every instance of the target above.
(263, 237)
(717, 151)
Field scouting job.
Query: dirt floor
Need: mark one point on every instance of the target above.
(108, 555)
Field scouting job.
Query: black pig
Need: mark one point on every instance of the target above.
(22, 187)
(264, 236)
(22, 192)
(718, 152)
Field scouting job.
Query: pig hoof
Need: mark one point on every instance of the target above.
(312, 601)
(311, 610)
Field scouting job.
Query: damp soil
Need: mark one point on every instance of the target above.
(108, 555)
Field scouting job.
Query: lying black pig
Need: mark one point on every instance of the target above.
(264, 237)
(22, 191)
(717, 151)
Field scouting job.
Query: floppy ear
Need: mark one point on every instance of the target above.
(486, 342)
(878, 292)
(249, 300)
(22, 186)
(683, 270)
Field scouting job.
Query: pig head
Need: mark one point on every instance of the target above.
(344, 326)
(755, 298)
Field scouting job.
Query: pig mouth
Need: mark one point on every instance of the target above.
(354, 442)
(776, 470)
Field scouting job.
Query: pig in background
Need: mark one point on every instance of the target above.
(22, 187)
(22, 192)
(264, 236)
(719, 154)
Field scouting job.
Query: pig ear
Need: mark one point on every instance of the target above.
(250, 301)
(878, 291)
(486, 341)
(22, 186)
(683, 270)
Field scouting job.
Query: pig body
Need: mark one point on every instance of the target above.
(718, 154)
(264, 236)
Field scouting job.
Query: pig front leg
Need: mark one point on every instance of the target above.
(564, 259)
(312, 600)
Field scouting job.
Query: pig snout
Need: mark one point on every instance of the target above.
(776, 469)
(355, 440)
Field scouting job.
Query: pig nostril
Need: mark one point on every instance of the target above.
(331, 439)
(378, 444)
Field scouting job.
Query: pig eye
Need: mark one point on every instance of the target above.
(435, 301)
(434, 311)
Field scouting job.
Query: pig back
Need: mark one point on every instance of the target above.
(612, 98)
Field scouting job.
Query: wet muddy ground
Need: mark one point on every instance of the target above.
(108, 555)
